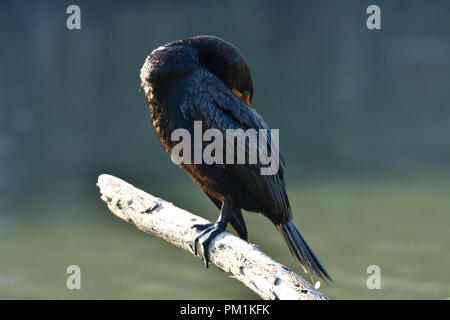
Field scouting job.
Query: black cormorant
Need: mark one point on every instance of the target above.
(206, 79)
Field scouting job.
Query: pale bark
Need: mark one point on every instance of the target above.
(268, 278)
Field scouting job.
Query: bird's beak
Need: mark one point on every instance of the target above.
(238, 94)
(247, 100)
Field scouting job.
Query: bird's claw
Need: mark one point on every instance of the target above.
(201, 241)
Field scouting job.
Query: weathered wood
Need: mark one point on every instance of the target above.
(268, 278)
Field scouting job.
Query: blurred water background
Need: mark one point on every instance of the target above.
(364, 123)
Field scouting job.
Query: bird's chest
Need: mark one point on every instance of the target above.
(166, 115)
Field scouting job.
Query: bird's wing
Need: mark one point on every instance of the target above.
(208, 100)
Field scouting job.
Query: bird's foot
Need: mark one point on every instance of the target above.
(207, 232)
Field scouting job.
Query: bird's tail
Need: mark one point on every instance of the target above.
(301, 250)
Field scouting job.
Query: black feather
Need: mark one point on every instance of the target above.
(301, 250)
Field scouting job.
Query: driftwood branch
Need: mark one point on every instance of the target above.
(268, 278)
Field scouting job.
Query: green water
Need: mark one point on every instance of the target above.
(403, 227)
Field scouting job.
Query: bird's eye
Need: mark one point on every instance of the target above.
(244, 96)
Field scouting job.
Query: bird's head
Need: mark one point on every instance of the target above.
(216, 55)
(226, 62)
